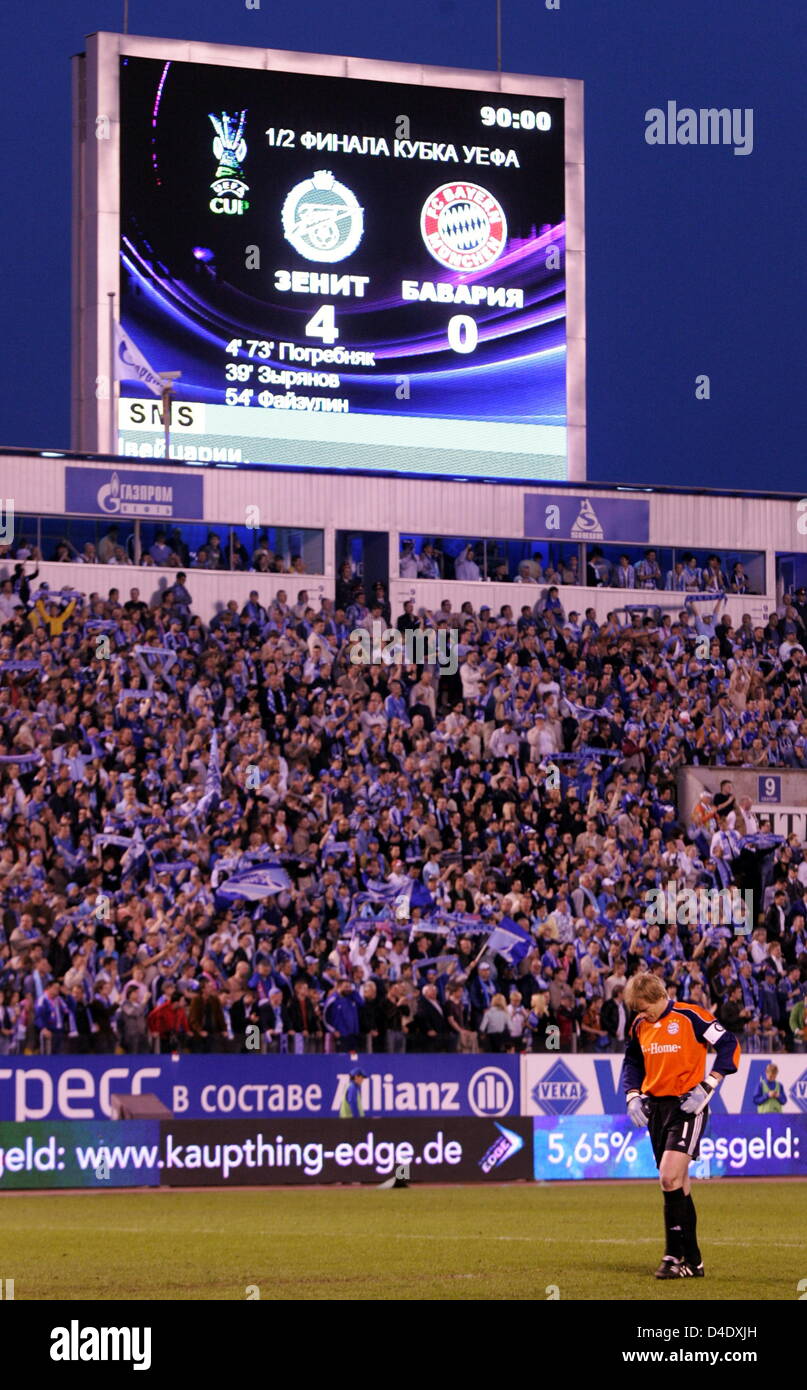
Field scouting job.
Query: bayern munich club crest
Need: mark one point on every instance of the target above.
(322, 218)
(463, 226)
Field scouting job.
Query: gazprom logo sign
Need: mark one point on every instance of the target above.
(559, 1091)
(490, 1092)
(133, 492)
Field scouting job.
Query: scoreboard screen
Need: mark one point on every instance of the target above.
(347, 273)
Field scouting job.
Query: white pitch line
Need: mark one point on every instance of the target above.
(410, 1235)
(640, 1240)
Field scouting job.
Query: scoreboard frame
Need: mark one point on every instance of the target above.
(97, 197)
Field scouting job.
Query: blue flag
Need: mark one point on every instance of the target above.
(254, 884)
(510, 941)
(419, 895)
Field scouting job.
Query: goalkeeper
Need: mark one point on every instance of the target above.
(665, 1062)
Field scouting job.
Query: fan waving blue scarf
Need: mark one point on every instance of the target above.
(212, 796)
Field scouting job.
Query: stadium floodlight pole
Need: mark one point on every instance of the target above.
(498, 35)
(167, 380)
(113, 432)
(166, 403)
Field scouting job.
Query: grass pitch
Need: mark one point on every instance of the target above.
(593, 1241)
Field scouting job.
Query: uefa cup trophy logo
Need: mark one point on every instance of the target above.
(230, 148)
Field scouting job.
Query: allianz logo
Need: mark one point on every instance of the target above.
(490, 1091)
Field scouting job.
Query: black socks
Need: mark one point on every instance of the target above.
(676, 1216)
(692, 1252)
(681, 1224)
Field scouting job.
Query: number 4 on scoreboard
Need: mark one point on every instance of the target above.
(323, 325)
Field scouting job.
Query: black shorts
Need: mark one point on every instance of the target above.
(670, 1128)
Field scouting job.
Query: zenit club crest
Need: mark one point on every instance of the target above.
(230, 149)
(463, 226)
(322, 218)
(587, 525)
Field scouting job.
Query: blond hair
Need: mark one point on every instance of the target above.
(498, 1002)
(642, 990)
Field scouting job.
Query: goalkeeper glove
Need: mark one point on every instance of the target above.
(698, 1098)
(637, 1111)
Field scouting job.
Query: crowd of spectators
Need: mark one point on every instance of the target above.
(536, 782)
(483, 560)
(168, 550)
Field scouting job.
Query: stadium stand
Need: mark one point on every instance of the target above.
(219, 833)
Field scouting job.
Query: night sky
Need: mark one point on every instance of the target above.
(695, 255)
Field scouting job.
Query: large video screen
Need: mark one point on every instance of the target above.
(347, 273)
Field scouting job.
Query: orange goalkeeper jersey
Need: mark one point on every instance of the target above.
(668, 1058)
